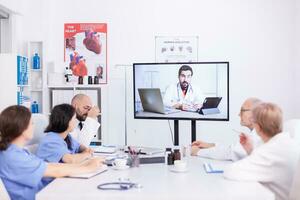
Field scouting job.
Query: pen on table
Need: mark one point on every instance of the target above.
(130, 150)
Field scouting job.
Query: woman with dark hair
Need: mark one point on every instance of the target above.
(21, 171)
(58, 145)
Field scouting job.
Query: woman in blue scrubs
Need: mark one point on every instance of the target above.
(21, 171)
(58, 145)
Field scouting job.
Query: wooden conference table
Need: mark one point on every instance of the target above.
(158, 182)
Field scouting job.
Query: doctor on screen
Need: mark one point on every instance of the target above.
(184, 95)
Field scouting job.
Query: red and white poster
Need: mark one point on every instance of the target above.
(86, 50)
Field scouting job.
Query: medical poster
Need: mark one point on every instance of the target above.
(176, 49)
(85, 49)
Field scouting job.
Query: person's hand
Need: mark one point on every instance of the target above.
(197, 106)
(95, 163)
(194, 150)
(178, 106)
(186, 107)
(94, 112)
(246, 143)
(203, 145)
(89, 151)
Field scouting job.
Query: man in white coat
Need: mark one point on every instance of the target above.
(235, 151)
(273, 163)
(184, 95)
(87, 122)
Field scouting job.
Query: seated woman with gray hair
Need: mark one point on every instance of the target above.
(273, 164)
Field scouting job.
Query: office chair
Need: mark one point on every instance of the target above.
(40, 122)
(293, 127)
(3, 192)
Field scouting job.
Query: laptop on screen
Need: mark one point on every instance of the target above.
(152, 101)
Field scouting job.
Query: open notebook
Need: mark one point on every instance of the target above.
(90, 175)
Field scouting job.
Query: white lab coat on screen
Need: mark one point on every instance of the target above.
(273, 164)
(232, 152)
(174, 95)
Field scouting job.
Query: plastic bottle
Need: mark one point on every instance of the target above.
(36, 61)
(35, 107)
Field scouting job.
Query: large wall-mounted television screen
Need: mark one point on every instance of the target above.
(181, 91)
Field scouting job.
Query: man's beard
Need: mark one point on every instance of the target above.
(184, 85)
(81, 117)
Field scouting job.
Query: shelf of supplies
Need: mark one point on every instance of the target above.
(74, 86)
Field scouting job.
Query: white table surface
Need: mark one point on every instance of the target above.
(158, 183)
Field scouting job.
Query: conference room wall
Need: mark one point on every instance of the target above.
(256, 37)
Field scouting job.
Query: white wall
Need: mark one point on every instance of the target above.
(255, 36)
(296, 65)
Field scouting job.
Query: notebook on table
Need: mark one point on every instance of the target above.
(90, 175)
(104, 149)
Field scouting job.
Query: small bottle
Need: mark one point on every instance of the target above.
(80, 80)
(177, 154)
(90, 80)
(96, 80)
(167, 152)
(34, 107)
(171, 158)
(36, 61)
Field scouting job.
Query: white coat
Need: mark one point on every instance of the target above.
(174, 95)
(273, 164)
(87, 133)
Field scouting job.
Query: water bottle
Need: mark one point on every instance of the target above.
(34, 107)
(36, 61)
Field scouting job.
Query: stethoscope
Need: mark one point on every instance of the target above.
(120, 185)
(180, 91)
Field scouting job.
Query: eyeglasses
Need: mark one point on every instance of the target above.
(244, 110)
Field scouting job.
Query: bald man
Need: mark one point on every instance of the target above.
(86, 115)
(232, 152)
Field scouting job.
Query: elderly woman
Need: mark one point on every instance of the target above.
(273, 164)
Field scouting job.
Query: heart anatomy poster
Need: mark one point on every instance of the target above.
(85, 49)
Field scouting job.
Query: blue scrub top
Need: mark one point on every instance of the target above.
(53, 147)
(21, 172)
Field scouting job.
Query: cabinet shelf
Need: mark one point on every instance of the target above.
(36, 70)
(36, 90)
(74, 86)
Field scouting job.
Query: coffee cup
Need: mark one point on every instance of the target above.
(180, 165)
(120, 163)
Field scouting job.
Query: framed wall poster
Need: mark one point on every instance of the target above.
(85, 49)
(176, 49)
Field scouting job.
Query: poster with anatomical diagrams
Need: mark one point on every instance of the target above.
(176, 49)
(85, 49)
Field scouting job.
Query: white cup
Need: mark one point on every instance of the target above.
(180, 165)
(120, 163)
